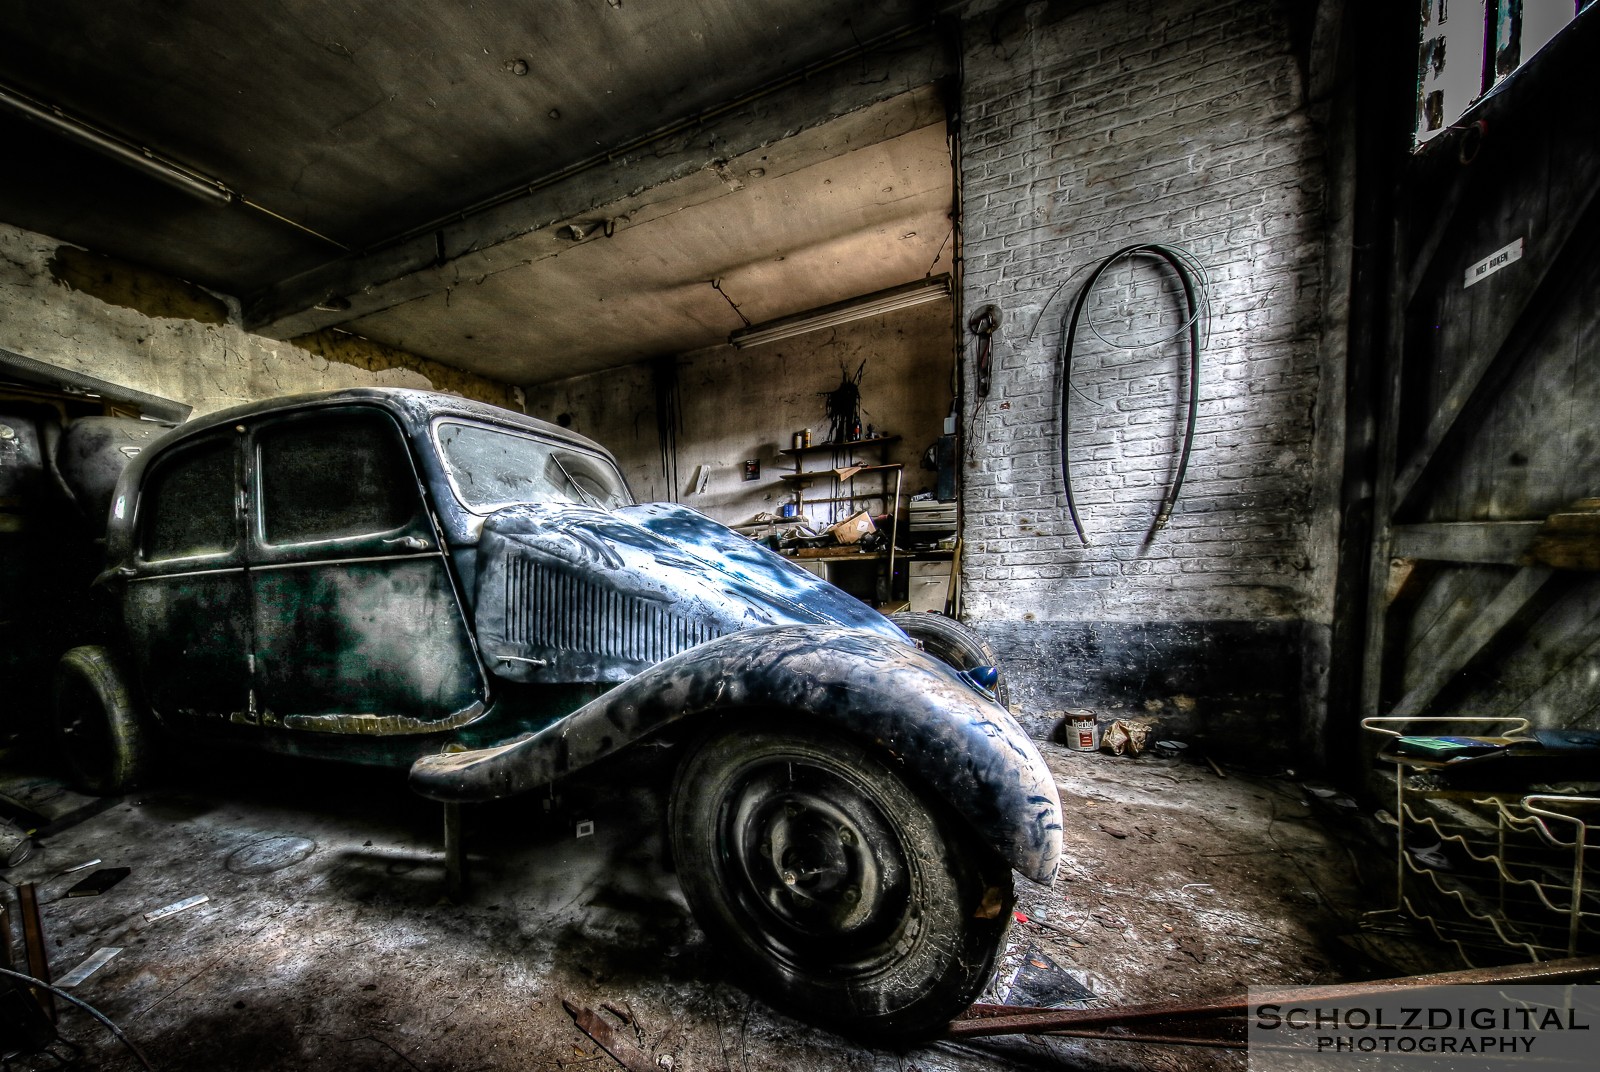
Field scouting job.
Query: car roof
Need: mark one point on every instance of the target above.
(417, 408)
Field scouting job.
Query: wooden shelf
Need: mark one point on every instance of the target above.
(884, 495)
(875, 441)
(835, 554)
(819, 474)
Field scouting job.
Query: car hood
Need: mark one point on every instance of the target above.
(571, 593)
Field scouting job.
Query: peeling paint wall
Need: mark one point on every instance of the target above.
(117, 322)
(739, 405)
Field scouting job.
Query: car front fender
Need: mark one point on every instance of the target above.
(918, 712)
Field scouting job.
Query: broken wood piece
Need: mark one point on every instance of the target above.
(1219, 771)
(622, 1050)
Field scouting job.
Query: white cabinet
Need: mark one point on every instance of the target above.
(929, 585)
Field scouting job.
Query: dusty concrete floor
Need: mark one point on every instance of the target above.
(327, 941)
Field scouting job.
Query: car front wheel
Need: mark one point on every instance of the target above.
(837, 891)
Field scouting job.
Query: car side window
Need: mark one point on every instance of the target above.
(188, 504)
(333, 477)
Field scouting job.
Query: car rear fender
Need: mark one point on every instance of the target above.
(921, 715)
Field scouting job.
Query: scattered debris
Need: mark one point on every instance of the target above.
(1127, 735)
(177, 906)
(1041, 983)
(95, 961)
(15, 844)
(99, 882)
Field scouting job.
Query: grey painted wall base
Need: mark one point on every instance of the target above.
(1236, 686)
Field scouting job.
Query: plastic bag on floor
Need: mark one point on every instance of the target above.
(1128, 736)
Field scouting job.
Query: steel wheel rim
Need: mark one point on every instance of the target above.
(797, 840)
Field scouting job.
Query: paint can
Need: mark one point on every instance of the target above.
(1082, 732)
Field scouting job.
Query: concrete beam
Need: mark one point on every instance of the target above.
(472, 245)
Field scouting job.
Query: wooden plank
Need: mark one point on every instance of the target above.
(1569, 541)
(1383, 497)
(1496, 616)
(1455, 599)
(1559, 654)
(1490, 360)
(1568, 699)
(1503, 543)
(1443, 222)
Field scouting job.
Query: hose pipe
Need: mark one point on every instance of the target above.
(1180, 261)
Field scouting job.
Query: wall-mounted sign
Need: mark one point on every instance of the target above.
(1493, 263)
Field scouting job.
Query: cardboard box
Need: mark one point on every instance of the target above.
(852, 529)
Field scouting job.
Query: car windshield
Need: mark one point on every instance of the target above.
(494, 467)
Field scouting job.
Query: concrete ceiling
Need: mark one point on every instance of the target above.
(524, 190)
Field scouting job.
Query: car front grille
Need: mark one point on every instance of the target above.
(556, 610)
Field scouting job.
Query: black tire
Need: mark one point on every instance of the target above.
(953, 644)
(834, 889)
(101, 733)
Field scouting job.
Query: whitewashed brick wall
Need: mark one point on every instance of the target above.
(1174, 121)
(1087, 128)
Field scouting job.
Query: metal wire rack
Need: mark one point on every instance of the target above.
(1495, 873)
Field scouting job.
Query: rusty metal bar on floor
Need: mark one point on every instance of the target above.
(1220, 1021)
(37, 958)
(621, 1049)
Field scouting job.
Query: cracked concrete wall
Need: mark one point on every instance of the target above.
(71, 309)
(740, 405)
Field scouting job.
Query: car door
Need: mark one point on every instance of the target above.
(357, 623)
(187, 599)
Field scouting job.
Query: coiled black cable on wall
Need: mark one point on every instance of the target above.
(1191, 277)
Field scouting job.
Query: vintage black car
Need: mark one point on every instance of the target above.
(404, 577)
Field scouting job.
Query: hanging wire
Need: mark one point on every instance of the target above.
(1202, 313)
(86, 1007)
(1194, 281)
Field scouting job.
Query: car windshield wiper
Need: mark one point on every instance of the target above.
(584, 495)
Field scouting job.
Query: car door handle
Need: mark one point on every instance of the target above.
(410, 543)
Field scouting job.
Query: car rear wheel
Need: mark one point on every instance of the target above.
(837, 891)
(953, 644)
(102, 736)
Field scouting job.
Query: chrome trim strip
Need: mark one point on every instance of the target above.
(345, 561)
